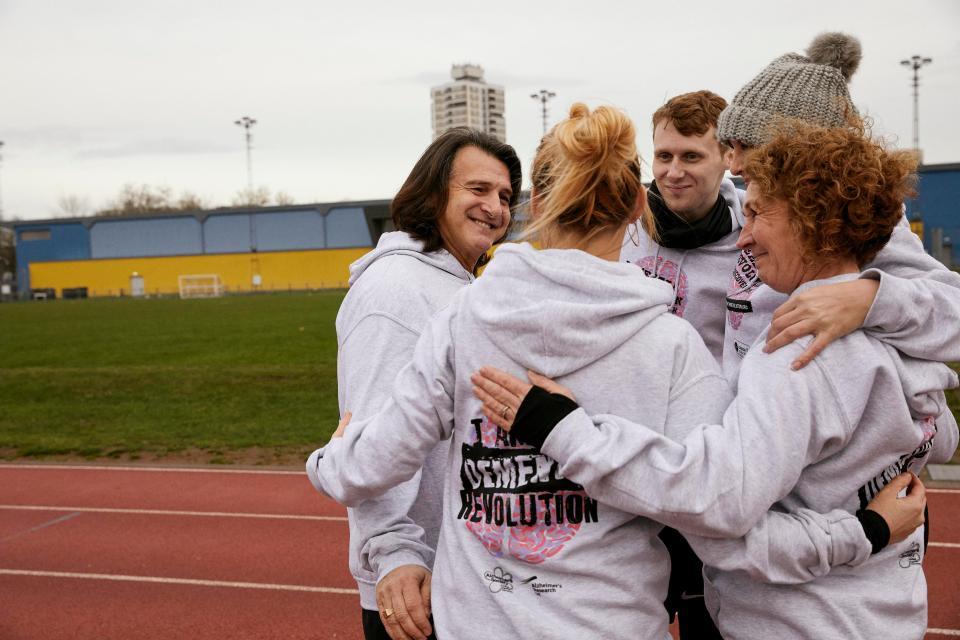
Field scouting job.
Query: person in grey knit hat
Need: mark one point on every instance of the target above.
(901, 284)
(902, 281)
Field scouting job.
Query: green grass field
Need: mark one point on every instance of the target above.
(234, 379)
(244, 379)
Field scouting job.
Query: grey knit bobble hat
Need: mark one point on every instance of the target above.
(812, 88)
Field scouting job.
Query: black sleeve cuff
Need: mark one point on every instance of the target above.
(875, 528)
(538, 414)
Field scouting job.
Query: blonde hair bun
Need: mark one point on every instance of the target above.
(587, 173)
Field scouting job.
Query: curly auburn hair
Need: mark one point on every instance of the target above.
(845, 190)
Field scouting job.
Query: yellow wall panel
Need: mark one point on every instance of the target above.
(281, 270)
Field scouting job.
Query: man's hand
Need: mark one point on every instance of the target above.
(502, 393)
(403, 598)
(827, 313)
(903, 515)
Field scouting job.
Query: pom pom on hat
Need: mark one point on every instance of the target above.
(837, 50)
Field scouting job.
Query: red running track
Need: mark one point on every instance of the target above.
(113, 552)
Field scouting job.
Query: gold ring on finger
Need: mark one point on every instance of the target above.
(387, 612)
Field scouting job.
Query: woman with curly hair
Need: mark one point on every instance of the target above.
(825, 438)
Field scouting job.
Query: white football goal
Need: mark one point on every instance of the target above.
(205, 285)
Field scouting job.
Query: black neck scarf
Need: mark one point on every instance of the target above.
(677, 233)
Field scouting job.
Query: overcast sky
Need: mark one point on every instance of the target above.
(98, 93)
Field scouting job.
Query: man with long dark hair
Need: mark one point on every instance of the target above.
(453, 206)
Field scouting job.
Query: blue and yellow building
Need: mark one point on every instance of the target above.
(249, 249)
(295, 247)
(935, 213)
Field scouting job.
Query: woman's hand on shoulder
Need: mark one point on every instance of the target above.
(503, 393)
(827, 313)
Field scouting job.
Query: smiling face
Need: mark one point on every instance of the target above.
(688, 170)
(768, 235)
(478, 205)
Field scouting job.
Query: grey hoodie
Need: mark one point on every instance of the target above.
(916, 310)
(698, 276)
(525, 552)
(841, 428)
(394, 290)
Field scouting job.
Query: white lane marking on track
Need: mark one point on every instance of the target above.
(76, 467)
(949, 545)
(944, 632)
(943, 490)
(170, 512)
(186, 581)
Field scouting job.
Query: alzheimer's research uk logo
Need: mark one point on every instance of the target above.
(911, 556)
(499, 580)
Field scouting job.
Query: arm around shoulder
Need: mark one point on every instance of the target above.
(388, 448)
(789, 548)
(917, 307)
(720, 479)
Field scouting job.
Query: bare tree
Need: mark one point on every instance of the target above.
(8, 253)
(191, 202)
(135, 200)
(259, 197)
(283, 198)
(73, 205)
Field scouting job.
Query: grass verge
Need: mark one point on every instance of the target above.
(133, 379)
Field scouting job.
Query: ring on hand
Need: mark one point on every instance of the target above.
(504, 412)
(387, 612)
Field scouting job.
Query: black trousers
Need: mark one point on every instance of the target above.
(685, 593)
(373, 628)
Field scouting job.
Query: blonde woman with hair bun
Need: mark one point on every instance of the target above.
(525, 552)
(586, 181)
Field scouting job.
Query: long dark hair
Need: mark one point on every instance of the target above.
(422, 199)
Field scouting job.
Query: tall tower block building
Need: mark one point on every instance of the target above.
(468, 101)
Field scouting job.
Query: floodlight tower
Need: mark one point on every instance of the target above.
(247, 123)
(915, 63)
(543, 96)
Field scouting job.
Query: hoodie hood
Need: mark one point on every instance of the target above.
(557, 310)
(402, 243)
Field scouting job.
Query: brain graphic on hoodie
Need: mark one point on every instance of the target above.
(514, 500)
(668, 271)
